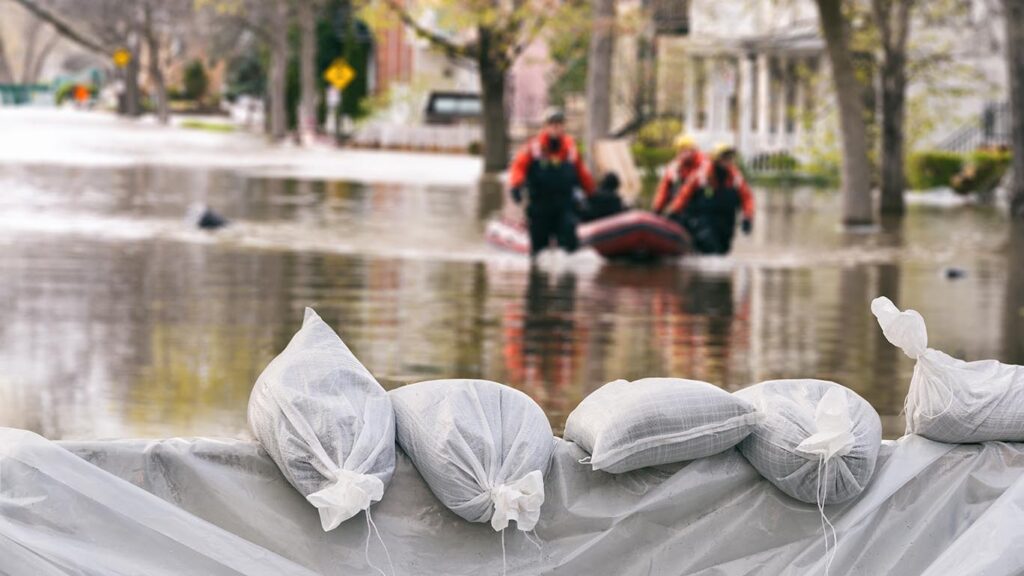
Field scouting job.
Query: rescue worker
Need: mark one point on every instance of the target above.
(708, 201)
(688, 159)
(548, 170)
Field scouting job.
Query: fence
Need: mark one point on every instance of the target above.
(457, 138)
(20, 94)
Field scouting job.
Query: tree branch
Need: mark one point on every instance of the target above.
(449, 47)
(63, 28)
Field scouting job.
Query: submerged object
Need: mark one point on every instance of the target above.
(634, 234)
(205, 218)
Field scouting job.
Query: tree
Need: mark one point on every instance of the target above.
(150, 31)
(307, 11)
(856, 169)
(1013, 15)
(195, 81)
(892, 17)
(498, 34)
(599, 75)
(269, 21)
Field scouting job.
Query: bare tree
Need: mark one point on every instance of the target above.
(150, 31)
(501, 31)
(64, 28)
(1013, 14)
(892, 17)
(599, 75)
(856, 169)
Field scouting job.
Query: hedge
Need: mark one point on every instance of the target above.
(932, 169)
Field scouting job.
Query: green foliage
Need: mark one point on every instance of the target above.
(207, 126)
(195, 81)
(659, 133)
(350, 44)
(246, 76)
(932, 169)
(650, 158)
(569, 51)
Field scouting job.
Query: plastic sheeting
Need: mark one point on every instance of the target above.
(221, 507)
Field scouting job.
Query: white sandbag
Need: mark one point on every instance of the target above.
(816, 441)
(326, 422)
(951, 400)
(483, 448)
(626, 426)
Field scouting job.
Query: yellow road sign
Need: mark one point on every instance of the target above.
(339, 74)
(121, 57)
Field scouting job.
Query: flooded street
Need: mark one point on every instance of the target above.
(118, 319)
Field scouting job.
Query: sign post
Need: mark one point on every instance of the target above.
(339, 74)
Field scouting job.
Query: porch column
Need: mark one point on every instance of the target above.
(691, 94)
(800, 106)
(746, 97)
(764, 78)
(711, 96)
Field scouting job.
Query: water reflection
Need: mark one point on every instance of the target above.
(163, 331)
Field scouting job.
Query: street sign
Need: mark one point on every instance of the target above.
(339, 74)
(121, 57)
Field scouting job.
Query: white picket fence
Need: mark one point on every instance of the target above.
(456, 138)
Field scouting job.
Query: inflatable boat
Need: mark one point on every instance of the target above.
(634, 235)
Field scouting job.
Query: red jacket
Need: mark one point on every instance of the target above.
(704, 176)
(677, 173)
(537, 148)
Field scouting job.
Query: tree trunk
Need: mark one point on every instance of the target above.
(276, 82)
(856, 169)
(307, 65)
(893, 19)
(599, 76)
(5, 68)
(132, 97)
(1014, 17)
(493, 69)
(155, 72)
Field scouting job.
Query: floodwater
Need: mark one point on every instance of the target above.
(118, 320)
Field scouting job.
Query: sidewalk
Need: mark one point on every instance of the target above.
(99, 139)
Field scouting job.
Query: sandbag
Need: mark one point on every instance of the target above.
(951, 400)
(625, 425)
(816, 441)
(326, 423)
(483, 448)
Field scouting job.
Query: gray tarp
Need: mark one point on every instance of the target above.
(221, 507)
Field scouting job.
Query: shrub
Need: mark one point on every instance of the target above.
(659, 133)
(195, 80)
(650, 158)
(932, 169)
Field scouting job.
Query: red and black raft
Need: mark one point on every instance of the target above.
(633, 235)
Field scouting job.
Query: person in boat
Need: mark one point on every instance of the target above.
(606, 201)
(547, 172)
(688, 159)
(709, 200)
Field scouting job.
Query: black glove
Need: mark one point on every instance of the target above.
(747, 226)
(517, 194)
